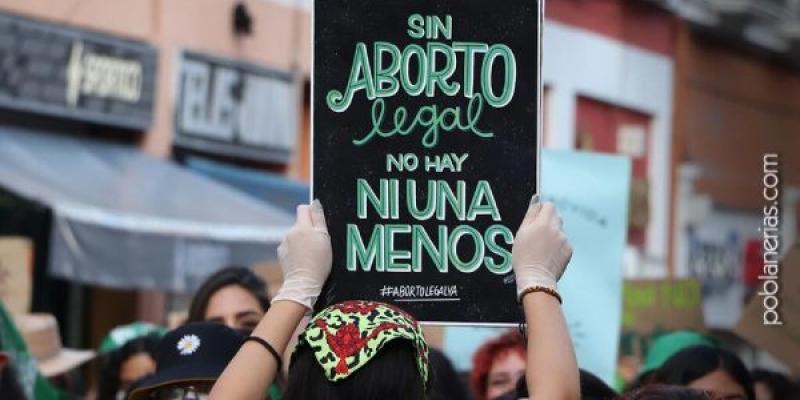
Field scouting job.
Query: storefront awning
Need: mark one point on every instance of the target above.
(271, 188)
(124, 219)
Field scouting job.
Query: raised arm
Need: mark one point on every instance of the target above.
(540, 255)
(305, 256)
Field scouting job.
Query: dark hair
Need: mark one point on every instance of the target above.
(9, 381)
(666, 392)
(391, 375)
(592, 387)
(695, 362)
(445, 383)
(111, 363)
(779, 385)
(522, 387)
(10, 388)
(645, 378)
(239, 276)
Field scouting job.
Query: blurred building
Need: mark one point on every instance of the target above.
(219, 86)
(700, 86)
(609, 79)
(735, 148)
(737, 100)
(737, 119)
(696, 92)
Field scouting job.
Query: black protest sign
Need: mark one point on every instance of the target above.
(425, 125)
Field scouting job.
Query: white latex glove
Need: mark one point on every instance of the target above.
(541, 250)
(305, 255)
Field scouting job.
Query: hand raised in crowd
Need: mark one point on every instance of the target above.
(541, 251)
(305, 256)
(540, 254)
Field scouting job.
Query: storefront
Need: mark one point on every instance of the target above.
(75, 105)
(59, 81)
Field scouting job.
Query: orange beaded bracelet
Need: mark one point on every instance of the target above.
(543, 289)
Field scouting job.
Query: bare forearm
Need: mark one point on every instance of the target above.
(552, 367)
(253, 368)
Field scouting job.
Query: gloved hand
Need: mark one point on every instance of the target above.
(305, 256)
(541, 250)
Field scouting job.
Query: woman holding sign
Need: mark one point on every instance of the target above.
(368, 350)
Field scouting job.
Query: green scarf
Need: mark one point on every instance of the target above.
(32, 382)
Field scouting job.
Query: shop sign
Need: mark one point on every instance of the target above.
(75, 74)
(236, 109)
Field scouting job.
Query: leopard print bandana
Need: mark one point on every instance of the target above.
(345, 336)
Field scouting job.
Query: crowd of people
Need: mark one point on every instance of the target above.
(236, 342)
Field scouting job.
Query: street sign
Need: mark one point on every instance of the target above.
(426, 119)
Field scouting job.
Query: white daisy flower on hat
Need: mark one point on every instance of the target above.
(188, 344)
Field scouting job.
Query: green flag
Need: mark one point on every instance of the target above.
(33, 383)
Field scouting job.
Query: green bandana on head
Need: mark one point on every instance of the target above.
(346, 336)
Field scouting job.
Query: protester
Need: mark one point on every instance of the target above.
(668, 392)
(592, 388)
(497, 366)
(662, 348)
(397, 369)
(122, 334)
(58, 364)
(21, 367)
(122, 366)
(446, 383)
(233, 296)
(189, 359)
(708, 368)
(10, 388)
(774, 386)
(521, 391)
(381, 336)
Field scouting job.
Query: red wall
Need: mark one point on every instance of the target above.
(598, 124)
(601, 121)
(632, 22)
